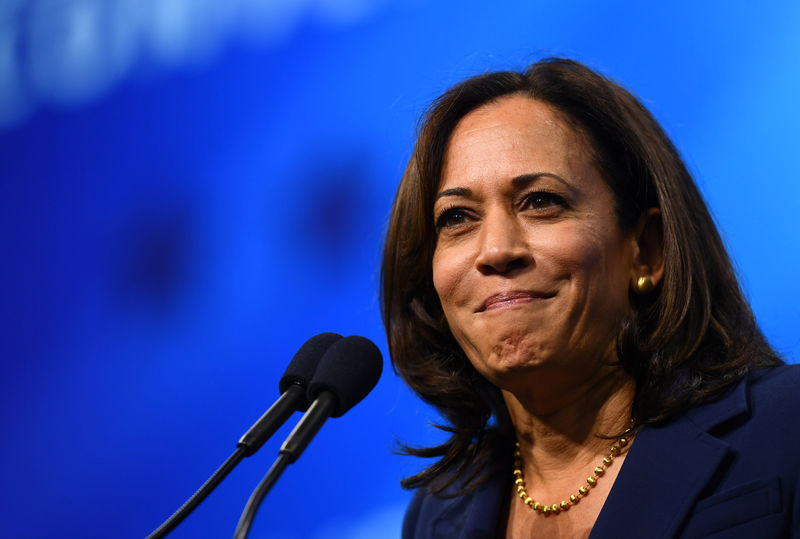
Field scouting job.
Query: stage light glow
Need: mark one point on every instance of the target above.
(76, 50)
(14, 100)
(71, 52)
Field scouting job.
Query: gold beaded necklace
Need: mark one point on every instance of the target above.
(574, 498)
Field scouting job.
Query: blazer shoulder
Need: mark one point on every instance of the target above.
(455, 514)
(778, 386)
(430, 516)
(773, 402)
(412, 514)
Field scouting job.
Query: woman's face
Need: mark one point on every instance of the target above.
(531, 266)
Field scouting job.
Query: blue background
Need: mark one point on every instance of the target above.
(190, 189)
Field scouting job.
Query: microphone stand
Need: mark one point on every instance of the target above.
(319, 411)
(186, 509)
(252, 440)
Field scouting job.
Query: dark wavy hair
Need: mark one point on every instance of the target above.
(690, 339)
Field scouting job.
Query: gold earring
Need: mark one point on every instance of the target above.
(644, 285)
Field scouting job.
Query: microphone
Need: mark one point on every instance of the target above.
(293, 387)
(345, 375)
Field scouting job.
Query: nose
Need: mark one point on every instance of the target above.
(502, 245)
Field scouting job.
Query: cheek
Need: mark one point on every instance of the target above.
(441, 278)
(594, 260)
(440, 274)
(448, 272)
(574, 253)
(600, 264)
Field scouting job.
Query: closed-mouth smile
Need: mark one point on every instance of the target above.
(507, 299)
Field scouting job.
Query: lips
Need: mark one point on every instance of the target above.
(507, 299)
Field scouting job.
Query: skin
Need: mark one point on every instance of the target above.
(534, 272)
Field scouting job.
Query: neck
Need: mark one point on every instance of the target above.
(558, 423)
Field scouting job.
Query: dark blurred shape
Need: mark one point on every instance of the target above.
(333, 209)
(152, 255)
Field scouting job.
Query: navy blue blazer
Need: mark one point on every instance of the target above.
(729, 468)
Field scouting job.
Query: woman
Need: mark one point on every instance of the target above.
(554, 284)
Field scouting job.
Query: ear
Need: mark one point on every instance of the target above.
(648, 260)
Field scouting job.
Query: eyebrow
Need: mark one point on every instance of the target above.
(518, 182)
(455, 192)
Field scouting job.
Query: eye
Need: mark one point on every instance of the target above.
(539, 200)
(451, 218)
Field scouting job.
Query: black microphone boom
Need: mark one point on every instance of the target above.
(345, 375)
(293, 387)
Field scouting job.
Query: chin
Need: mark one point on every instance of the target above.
(509, 370)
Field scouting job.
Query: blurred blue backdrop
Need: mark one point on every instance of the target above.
(190, 189)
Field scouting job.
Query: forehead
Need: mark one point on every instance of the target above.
(511, 136)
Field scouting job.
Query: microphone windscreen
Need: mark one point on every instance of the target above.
(304, 363)
(349, 369)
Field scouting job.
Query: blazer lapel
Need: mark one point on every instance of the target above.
(665, 471)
